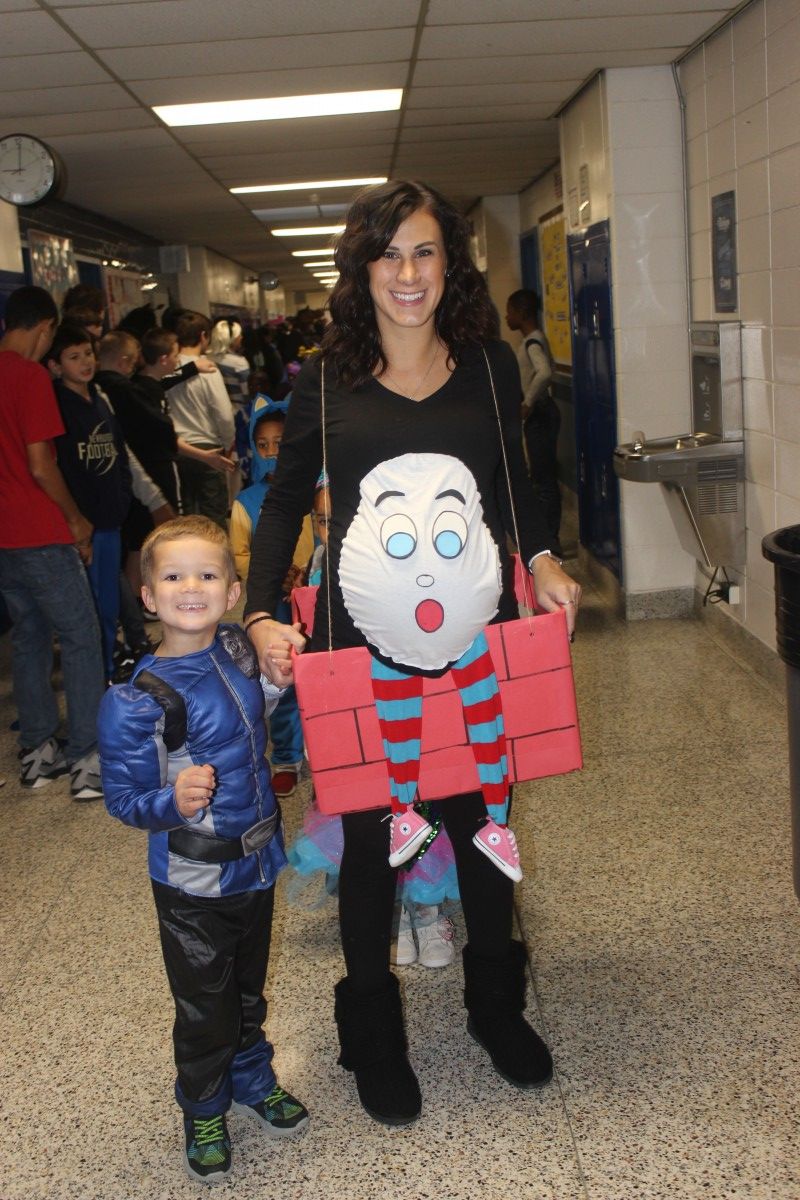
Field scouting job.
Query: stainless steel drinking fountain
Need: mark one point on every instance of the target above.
(702, 473)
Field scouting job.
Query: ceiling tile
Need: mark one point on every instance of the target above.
(52, 125)
(32, 33)
(36, 102)
(49, 70)
(196, 87)
(522, 92)
(460, 12)
(518, 68)
(627, 33)
(154, 23)
(322, 133)
(267, 57)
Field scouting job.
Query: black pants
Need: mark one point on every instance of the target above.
(367, 890)
(204, 490)
(541, 443)
(215, 954)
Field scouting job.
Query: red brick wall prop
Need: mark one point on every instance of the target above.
(532, 662)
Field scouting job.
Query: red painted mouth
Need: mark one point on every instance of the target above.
(429, 615)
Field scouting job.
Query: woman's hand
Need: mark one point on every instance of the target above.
(273, 643)
(194, 787)
(556, 589)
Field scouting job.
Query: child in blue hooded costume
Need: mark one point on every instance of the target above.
(267, 418)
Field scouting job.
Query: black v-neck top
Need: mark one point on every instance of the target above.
(370, 425)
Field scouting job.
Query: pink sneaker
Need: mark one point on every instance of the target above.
(407, 831)
(500, 845)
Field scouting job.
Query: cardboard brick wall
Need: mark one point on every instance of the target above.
(345, 751)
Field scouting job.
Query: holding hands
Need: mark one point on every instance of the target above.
(273, 643)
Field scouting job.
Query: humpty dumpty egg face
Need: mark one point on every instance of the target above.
(419, 570)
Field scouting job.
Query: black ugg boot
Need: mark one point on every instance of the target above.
(494, 995)
(374, 1048)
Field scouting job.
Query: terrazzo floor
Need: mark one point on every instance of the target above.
(663, 934)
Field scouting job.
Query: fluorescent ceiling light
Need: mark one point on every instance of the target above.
(326, 274)
(280, 108)
(317, 185)
(307, 230)
(311, 253)
(327, 262)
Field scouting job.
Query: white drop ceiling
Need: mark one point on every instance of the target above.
(483, 79)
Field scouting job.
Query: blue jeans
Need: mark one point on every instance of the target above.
(46, 590)
(285, 730)
(104, 582)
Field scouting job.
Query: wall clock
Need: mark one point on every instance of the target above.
(30, 171)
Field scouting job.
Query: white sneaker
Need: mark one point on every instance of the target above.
(85, 783)
(435, 941)
(42, 763)
(404, 950)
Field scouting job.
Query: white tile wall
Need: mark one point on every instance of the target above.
(762, 45)
(751, 133)
(750, 77)
(784, 178)
(752, 189)
(755, 297)
(649, 291)
(753, 243)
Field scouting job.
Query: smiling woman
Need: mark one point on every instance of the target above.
(413, 409)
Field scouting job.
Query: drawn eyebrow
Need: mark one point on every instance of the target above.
(385, 495)
(451, 492)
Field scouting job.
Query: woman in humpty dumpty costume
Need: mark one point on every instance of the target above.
(412, 407)
(420, 577)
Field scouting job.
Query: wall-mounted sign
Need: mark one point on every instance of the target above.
(723, 251)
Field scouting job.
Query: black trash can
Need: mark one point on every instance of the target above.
(783, 549)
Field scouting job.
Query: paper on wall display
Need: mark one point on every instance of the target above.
(532, 662)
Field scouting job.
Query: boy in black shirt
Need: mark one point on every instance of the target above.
(94, 462)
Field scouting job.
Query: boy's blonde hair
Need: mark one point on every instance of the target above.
(184, 527)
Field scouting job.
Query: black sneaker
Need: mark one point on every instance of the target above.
(279, 1114)
(41, 764)
(208, 1148)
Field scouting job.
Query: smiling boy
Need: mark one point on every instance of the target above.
(182, 749)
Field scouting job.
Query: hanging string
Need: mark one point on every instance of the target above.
(327, 477)
(526, 582)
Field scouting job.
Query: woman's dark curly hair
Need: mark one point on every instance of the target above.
(352, 343)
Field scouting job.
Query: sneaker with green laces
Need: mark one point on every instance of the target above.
(279, 1114)
(207, 1156)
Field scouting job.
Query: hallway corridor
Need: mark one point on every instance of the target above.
(663, 936)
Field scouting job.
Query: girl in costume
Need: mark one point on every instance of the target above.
(410, 367)
(265, 432)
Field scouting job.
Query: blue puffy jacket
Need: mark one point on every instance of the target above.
(224, 712)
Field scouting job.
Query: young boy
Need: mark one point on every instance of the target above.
(266, 430)
(182, 755)
(94, 462)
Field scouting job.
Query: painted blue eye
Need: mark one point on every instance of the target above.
(399, 536)
(448, 544)
(400, 545)
(449, 534)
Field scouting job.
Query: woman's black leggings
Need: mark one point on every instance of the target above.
(367, 887)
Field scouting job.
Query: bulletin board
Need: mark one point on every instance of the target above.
(555, 287)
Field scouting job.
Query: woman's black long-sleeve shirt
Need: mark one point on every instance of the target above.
(370, 425)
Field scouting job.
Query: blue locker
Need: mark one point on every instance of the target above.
(594, 392)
